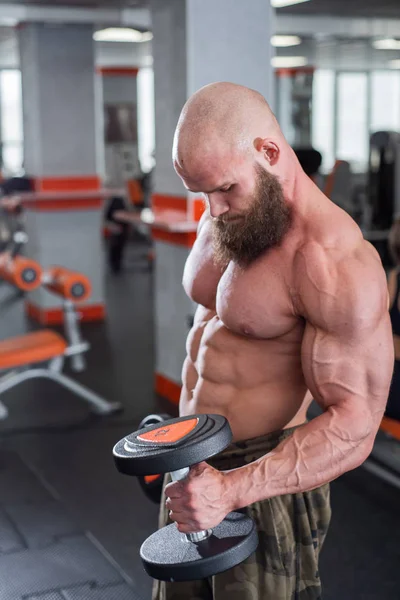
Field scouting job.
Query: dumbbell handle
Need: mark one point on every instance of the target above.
(199, 536)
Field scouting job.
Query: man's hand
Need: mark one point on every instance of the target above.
(201, 501)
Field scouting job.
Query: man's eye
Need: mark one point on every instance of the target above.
(228, 189)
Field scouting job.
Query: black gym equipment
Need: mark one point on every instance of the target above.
(177, 444)
(309, 159)
(152, 484)
(12, 230)
(383, 177)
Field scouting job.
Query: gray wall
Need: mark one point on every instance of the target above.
(228, 40)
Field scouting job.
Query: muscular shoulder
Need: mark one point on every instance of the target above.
(201, 274)
(339, 280)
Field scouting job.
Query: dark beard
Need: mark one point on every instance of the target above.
(262, 226)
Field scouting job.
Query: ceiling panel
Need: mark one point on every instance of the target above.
(345, 8)
(81, 3)
(358, 8)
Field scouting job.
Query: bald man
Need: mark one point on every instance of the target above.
(292, 305)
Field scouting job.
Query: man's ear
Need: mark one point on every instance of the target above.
(269, 149)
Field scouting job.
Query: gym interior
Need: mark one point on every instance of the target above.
(95, 231)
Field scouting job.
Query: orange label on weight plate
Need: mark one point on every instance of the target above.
(170, 433)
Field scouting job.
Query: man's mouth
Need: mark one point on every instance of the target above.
(228, 220)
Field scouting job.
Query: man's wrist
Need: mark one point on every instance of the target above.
(241, 491)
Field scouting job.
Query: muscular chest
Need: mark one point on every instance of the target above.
(253, 302)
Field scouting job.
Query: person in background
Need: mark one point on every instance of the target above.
(393, 405)
(119, 233)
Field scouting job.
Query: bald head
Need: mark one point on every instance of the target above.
(220, 118)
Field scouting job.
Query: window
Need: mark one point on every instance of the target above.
(11, 121)
(385, 101)
(347, 107)
(352, 119)
(323, 110)
(146, 118)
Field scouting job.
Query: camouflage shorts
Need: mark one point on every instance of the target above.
(291, 531)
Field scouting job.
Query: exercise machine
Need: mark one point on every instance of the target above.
(42, 354)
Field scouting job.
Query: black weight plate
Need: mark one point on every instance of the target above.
(168, 556)
(153, 488)
(135, 455)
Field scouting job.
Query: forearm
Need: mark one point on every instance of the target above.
(315, 454)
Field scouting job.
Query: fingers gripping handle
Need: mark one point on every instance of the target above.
(200, 535)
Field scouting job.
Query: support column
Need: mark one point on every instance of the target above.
(64, 215)
(196, 42)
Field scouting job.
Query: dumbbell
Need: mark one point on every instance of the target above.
(175, 446)
(152, 484)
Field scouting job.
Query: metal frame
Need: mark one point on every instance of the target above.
(13, 377)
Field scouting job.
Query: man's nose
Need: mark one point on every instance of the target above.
(218, 205)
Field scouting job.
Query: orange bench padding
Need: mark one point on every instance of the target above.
(13, 270)
(63, 280)
(31, 348)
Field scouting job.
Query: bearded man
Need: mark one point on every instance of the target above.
(292, 305)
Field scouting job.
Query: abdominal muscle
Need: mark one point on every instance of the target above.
(258, 385)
